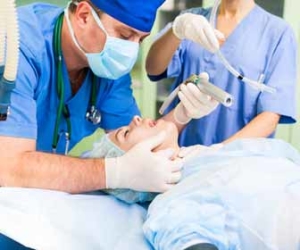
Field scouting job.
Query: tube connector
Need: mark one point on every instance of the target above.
(9, 54)
(6, 88)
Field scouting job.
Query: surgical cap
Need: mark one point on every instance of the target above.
(137, 14)
(103, 148)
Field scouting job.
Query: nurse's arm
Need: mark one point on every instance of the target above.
(161, 53)
(170, 117)
(262, 125)
(22, 166)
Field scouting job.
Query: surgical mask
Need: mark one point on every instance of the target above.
(117, 57)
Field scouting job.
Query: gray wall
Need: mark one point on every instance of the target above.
(274, 6)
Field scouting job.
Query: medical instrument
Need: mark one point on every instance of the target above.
(206, 87)
(9, 54)
(92, 115)
(259, 85)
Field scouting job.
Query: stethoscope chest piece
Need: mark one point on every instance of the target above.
(93, 115)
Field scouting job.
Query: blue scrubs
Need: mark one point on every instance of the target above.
(35, 101)
(9, 244)
(261, 44)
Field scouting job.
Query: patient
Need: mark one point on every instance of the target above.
(117, 142)
(244, 196)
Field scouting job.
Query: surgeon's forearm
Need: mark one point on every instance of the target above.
(262, 125)
(55, 172)
(161, 53)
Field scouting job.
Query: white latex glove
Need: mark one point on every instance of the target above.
(191, 151)
(196, 28)
(142, 170)
(194, 103)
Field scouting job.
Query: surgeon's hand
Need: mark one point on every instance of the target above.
(194, 103)
(142, 170)
(196, 28)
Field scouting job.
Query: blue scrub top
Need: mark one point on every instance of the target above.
(261, 44)
(34, 101)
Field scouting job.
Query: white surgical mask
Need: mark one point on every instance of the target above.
(117, 57)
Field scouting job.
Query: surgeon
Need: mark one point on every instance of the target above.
(73, 78)
(257, 44)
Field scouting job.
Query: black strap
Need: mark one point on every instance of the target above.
(202, 246)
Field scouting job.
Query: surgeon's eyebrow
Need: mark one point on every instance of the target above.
(130, 32)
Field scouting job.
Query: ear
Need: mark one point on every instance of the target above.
(82, 13)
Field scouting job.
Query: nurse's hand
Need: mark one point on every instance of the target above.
(196, 28)
(194, 104)
(142, 170)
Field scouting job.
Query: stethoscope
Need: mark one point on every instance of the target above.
(93, 115)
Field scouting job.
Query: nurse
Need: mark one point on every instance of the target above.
(256, 43)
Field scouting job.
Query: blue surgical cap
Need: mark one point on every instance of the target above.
(137, 14)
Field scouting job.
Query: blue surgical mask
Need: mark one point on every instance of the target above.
(117, 57)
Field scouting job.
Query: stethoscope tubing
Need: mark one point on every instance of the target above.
(62, 109)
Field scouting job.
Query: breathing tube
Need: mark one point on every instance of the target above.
(9, 54)
(259, 85)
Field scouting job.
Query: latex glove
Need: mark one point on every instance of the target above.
(142, 170)
(196, 150)
(194, 103)
(196, 28)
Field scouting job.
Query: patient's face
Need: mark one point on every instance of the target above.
(140, 129)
